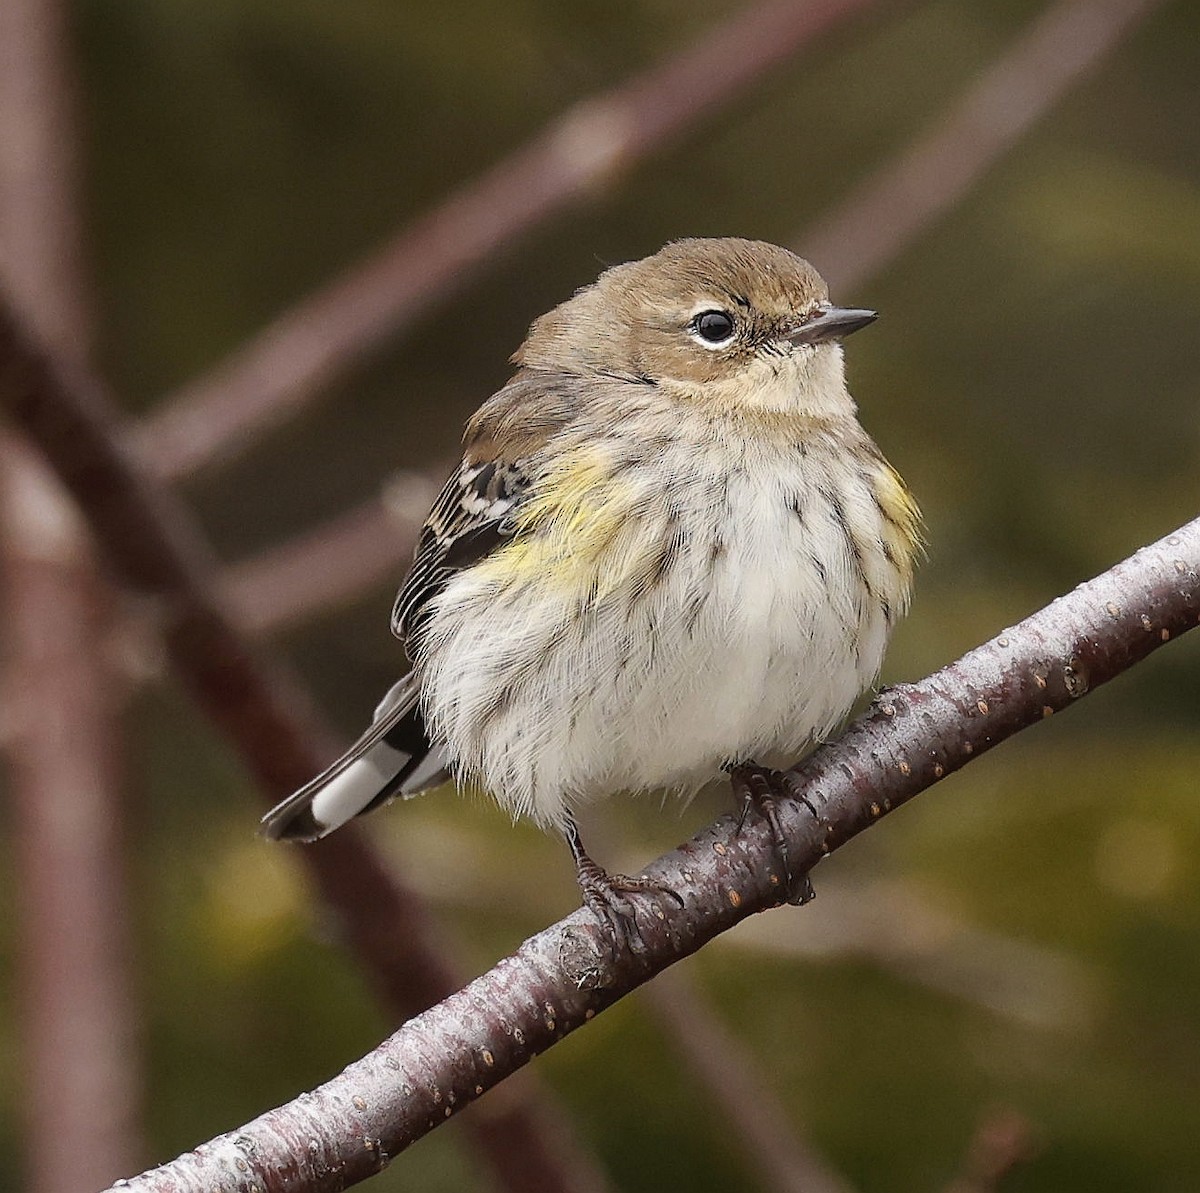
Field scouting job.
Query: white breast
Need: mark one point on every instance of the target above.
(753, 642)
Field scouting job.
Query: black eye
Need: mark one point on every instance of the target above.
(714, 327)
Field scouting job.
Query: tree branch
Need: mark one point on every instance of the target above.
(153, 546)
(914, 735)
(721, 1063)
(892, 207)
(1002, 1142)
(287, 364)
(79, 1045)
(81, 1092)
(336, 562)
(43, 257)
(1029, 983)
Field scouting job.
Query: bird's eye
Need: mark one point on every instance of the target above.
(713, 328)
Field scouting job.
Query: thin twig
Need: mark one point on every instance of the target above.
(333, 564)
(887, 212)
(286, 365)
(153, 546)
(42, 258)
(1023, 981)
(1001, 1143)
(349, 1128)
(735, 1081)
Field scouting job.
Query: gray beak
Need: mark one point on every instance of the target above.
(830, 323)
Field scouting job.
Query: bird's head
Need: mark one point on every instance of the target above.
(739, 323)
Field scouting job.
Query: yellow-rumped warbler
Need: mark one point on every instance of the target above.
(670, 550)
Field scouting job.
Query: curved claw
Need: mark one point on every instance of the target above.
(760, 789)
(603, 893)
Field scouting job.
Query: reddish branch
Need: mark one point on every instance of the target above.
(41, 233)
(333, 564)
(152, 545)
(436, 1064)
(286, 365)
(1003, 1141)
(735, 1082)
(79, 1051)
(81, 1088)
(896, 204)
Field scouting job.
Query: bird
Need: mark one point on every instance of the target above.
(670, 553)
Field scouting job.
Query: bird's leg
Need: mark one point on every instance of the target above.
(759, 788)
(602, 891)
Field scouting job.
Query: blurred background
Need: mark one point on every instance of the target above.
(297, 243)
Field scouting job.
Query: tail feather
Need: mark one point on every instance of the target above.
(393, 757)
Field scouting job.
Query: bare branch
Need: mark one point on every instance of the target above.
(41, 233)
(286, 365)
(79, 1047)
(1002, 1141)
(81, 1092)
(899, 202)
(734, 1081)
(259, 707)
(1023, 981)
(914, 735)
(333, 564)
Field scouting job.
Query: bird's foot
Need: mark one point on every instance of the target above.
(760, 789)
(604, 894)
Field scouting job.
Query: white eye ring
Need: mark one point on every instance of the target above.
(713, 316)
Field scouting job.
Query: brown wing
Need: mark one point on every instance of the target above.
(473, 514)
(470, 518)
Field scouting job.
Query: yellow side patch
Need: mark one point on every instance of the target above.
(568, 526)
(901, 520)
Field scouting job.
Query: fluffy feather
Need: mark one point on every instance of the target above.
(657, 558)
